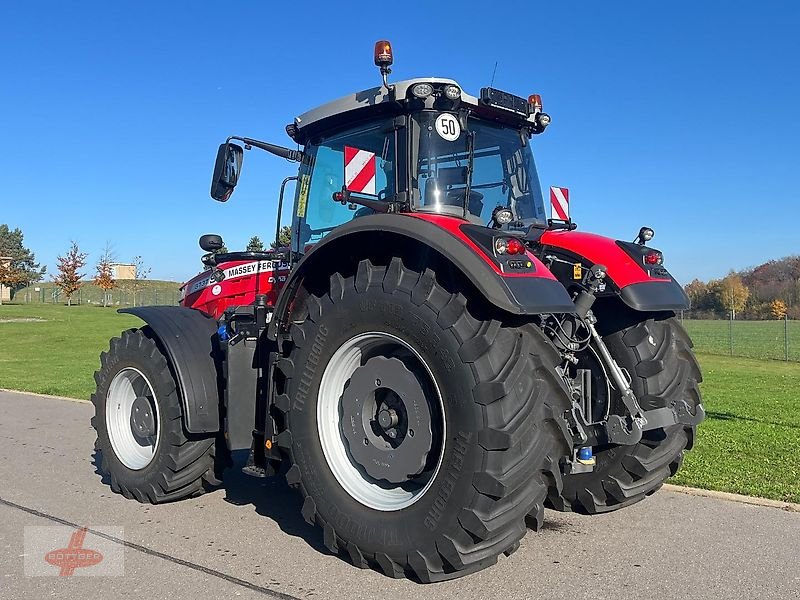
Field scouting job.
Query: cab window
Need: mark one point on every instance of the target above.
(316, 213)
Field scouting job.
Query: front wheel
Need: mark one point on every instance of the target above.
(143, 447)
(657, 353)
(420, 435)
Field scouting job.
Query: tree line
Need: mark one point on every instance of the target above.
(19, 269)
(768, 291)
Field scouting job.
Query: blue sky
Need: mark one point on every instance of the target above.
(681, 115)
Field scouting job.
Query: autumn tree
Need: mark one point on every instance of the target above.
(778, 309)
(19, 267)
(696, 290)
(284, 238)
(255, 244)
(733, 294)
(69, 276)
(104, 273)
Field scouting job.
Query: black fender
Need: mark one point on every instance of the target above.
(190, 340)
(652, 296)
(532, 295)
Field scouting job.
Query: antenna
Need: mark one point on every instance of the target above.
(494, 72)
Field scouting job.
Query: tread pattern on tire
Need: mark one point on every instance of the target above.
(658, 354)
(519, 445)
(190, 462)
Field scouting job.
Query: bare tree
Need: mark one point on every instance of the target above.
(69, 278)
(140, 273)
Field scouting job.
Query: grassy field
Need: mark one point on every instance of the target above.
(59, 354)
(748, 444)
(753, 339)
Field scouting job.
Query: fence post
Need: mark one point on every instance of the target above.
(730, 332)
(786, 336)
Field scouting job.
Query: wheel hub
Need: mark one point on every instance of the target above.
(386, 420)
(142, 422)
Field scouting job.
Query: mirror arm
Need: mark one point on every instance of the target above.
(295, 155)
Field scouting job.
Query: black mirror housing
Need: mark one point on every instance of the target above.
(227, 169)
(211, 242)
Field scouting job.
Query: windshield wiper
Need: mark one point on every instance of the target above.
(470, 160)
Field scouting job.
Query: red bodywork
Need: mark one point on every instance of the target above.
(623, 270)
(453, 226)
(243, 279)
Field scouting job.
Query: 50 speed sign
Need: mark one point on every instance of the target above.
(447, 127)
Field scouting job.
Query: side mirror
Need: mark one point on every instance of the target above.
(211, 242)
(227, 168)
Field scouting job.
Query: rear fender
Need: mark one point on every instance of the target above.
(533, 290)
(641, 289)
(190, 340)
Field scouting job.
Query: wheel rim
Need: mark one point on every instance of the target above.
(380, 419)
(132, 418)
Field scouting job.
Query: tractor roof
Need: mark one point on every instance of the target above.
(376, 101)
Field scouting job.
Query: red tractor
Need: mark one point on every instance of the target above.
(431, 360)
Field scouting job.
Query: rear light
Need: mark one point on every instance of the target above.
(515, 247)
(508, 246)
(653, 258)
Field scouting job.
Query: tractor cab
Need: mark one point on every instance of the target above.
(416, 146)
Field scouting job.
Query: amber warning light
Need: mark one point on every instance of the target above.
(383, 54)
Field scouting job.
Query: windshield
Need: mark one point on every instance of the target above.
(503, 170)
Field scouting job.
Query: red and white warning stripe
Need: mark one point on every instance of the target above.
(559, 201)
(359, 171)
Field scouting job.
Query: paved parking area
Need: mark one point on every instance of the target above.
(248, 540)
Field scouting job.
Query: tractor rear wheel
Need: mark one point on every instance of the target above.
(143, 448)
(419, 434)
(657, 353)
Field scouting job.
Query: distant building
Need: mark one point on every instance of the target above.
(123, 271)
(5, 292)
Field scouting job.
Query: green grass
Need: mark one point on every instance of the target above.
(753, 339)
(748, 444)
(60, 354)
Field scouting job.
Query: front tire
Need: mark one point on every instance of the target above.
(490, 397)
(658, 355)
(143, 448)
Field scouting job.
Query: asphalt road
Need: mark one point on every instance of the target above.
(248, 541)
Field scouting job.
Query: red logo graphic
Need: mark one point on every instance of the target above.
(74, 555)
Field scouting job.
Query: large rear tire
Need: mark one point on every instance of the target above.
(658, 355)
(482, 394)
(143, 447)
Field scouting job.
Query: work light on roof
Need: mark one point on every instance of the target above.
(452, 92)
(422, 90)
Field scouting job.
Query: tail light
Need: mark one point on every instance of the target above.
(653, 258)
(508, 246)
